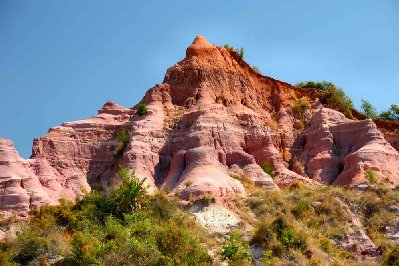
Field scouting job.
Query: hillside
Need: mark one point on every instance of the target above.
(302, 183)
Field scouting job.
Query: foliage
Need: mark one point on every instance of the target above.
(368, 109)
(268, 169)
(124, 226)
(299, 225)
(142, 109)
(299, 109)
(268, 258)
(371, 176)
(239, 51)
(324, 85)
(236, 250)
(122, 141)
(333, 97)
(391, 114)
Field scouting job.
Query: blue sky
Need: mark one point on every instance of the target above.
(62, 60)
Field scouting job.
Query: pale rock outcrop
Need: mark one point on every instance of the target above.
(67, 161)
(20, 189)
(339, 150)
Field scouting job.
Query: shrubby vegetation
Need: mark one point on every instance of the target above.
(391, 114)
(124, 226)
(268, 169)
(323, 85)
(299, 225)
(333, 97)
(236, 251)
(368, 109)
(122, 140)
(239, 51)
(142, 109)
(299, 108)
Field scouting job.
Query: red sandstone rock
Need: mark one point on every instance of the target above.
(340, 151)
(211, 119)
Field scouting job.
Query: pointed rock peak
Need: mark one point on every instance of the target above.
(200, 47)
(201, 41)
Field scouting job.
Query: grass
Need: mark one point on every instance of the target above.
(298, 225)
(268, 169)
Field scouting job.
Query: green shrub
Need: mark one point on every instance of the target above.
(239, 51)
(122, 141)
(287, 234)
(391, 114)
(368, 109)
(324, 85)
(236, 250)
(372, 176)
(123, 226)
(142, 109)
(301, 208)
(268, 258)
(299, 109)
(335, 98)
(268, 169)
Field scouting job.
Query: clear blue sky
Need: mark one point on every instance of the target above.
(62, 60)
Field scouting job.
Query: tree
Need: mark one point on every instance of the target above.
(391, 114)
(368, 109)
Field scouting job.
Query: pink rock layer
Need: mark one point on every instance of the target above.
(212, 121)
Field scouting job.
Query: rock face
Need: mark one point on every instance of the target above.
(65, 162)
(213, 119)
(342, 151)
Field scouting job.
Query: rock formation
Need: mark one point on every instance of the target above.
(211, 120)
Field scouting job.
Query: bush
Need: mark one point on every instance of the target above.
(131, 194)
(239, 51)
(372, 176)
(324, 85)
(335, 98)
(391, 114)
(236, 251)
(142, 109)
(368, 109)
(299, 109)
(268, 169)
(122, 141)
(124, 226)
(287, 235)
